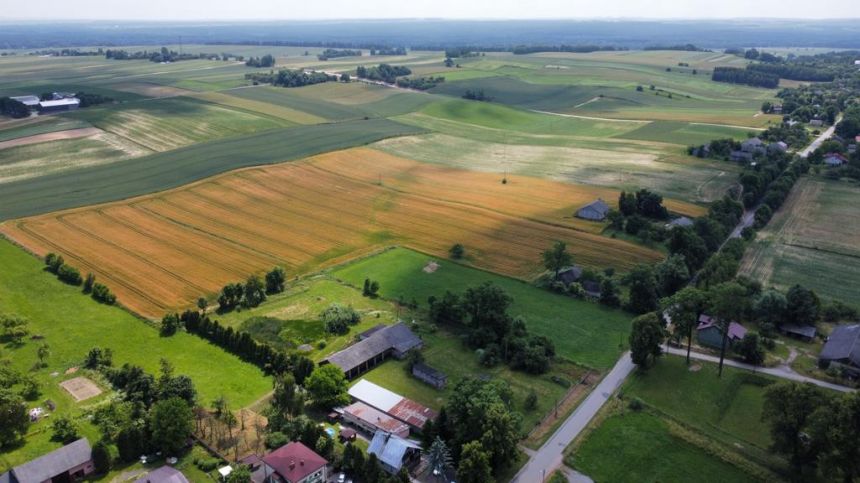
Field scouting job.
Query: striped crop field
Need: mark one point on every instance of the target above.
(161, 252)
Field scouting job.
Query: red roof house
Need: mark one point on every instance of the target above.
(294, 463)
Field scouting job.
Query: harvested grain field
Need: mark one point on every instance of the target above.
(160, 252)
(811, 240)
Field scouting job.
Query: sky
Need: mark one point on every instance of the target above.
(449, 9)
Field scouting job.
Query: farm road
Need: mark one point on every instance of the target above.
(549, 457)
(820, 139)
(783, 371)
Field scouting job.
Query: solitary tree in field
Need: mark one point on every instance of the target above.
(457, 251)
(202, 304)
(557, 258)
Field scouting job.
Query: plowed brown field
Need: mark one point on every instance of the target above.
(160, 252)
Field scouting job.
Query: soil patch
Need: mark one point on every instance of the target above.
(81, 388)
(695, 368)
(431, 267)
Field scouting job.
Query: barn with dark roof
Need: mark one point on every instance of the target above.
(375, 346)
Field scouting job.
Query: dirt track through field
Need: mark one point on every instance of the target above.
(51, 136)
(161, 252)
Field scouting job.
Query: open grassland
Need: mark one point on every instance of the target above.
(811, 240)
(584, 332)
(165, 124)
(163, 251)
(72, 323)
(684, 133)
(641, 447)
(178, 167)
(604, 84)
(30, 161)
(623, 167)
(329, 101)
(280, 112)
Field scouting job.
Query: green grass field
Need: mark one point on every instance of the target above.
(290, 319)
(72, 323)
(684, 133)
(165, 124)
(812, 241)
(727, 408)
(175, 168)
(583, 332)
(640, 447)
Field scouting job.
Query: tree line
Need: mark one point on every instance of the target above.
(388, 51)
(290, 78)
(68, 274)
(735, 75)
(383, 72)
(164, 55)
(13, 108)
(267, 60)
(579, 49)
(420, 83)
(335, 53)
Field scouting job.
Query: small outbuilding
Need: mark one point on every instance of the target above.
(394, 452)
(594, 211)
(568, 275)
(431, 376)
(802, 332)
(680, 221)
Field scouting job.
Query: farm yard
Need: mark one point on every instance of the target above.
(191, 241)
(71, 324)
(812, 241)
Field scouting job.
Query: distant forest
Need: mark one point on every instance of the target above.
(439, 34)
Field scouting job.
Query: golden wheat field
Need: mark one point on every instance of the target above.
(161, 252)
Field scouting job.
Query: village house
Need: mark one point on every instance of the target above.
(842, 348)
(394, 452)
(710, 334)
(374, 346)
(72, 462)
(165, 474)
(293, 463)
(594, 211)
(680, 221)
(835, 159)
(777, 147)
(816, 123)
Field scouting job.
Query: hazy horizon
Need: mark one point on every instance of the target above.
(345, 10)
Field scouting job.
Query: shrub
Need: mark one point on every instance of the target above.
(337, 318)
(457, 251)
(636, 404)
(69, 275)
(101, 457)
(531, 401)
(64, 430)
(103, 294)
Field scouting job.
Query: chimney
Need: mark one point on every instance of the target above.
(302, 462)
(292, 464)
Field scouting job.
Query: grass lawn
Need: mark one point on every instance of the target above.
(584, 332)
(290, 319)
(72, 323)
(728, 408)
(639, 447)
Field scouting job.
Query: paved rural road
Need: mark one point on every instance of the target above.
(783, 372)
(549, 457)
(820, 139)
